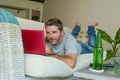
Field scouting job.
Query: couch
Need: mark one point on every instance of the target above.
(21, 65)
(83, 60)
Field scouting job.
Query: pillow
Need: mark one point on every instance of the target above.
(33, 41)
(84, 60)
(83, 36)
(44, 66)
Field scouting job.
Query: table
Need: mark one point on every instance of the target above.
(86, 74)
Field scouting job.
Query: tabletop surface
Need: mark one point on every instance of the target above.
(108, 74)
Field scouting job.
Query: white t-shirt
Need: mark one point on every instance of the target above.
(68, 45)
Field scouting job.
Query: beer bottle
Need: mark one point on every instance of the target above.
(98, 53)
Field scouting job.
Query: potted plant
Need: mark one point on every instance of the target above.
(114, 43)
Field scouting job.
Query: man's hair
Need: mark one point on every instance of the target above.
(54, 22)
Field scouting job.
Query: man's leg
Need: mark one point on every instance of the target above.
(85, 48)
(76, 30)
(92, 34)
(91, 41)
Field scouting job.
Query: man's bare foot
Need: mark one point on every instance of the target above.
(93, 24)
(78, 23)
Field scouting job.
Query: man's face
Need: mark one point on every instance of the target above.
(53, 34)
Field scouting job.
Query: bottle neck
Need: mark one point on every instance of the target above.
(99, 40)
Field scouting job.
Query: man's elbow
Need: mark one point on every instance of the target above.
(73, 61)
(72, 65)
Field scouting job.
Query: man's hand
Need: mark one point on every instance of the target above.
(49, 50)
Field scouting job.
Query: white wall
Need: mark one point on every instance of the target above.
(106, 12)
(69, 11)
(24, 4)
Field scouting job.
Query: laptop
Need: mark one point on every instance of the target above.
(33, 41)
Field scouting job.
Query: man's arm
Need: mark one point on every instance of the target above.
(69, 59)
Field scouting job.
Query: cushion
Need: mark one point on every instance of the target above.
(44, 66)
(33, 41)
(83, 36)
(83, 61)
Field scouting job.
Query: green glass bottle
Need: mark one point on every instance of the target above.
(98, 53)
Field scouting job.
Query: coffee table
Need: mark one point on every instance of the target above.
(86, 74)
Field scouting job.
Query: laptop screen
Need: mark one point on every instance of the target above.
(33, 41)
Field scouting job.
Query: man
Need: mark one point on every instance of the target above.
(61, 45)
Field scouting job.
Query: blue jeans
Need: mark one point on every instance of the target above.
(92, 39)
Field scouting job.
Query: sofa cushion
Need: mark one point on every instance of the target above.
(83, 37)
(44, 66)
